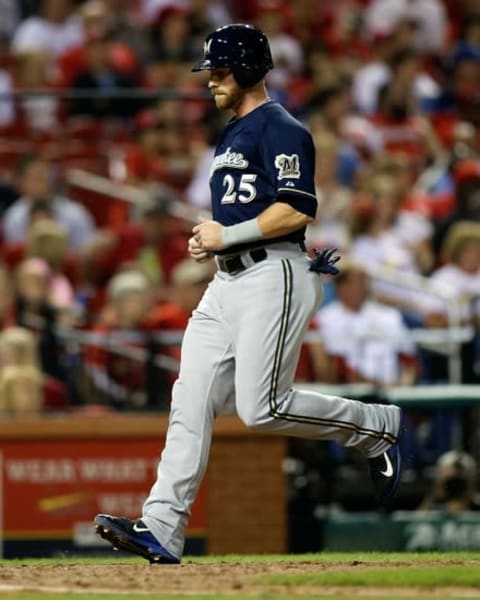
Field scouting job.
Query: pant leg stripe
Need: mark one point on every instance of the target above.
(287, 300)
(339, 424)
(275, 413)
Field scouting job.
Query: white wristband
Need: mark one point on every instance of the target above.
(242, 233)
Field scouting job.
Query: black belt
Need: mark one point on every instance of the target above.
(233, 264)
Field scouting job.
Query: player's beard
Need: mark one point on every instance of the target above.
(229, 100)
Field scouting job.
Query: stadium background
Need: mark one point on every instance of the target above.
(105, 142)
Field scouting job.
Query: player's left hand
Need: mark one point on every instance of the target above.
(209, 235)
(197, 252)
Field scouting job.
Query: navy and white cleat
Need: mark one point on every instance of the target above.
(133, 536)
(386, 473)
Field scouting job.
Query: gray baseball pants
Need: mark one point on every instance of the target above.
(241, 346)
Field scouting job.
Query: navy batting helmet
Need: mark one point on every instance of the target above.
(243, 48)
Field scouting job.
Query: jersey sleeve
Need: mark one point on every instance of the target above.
(289, 155)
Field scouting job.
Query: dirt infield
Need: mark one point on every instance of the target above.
(222, 578)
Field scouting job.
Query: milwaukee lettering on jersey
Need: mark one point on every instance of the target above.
(233, 160)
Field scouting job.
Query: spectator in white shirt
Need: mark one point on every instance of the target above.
(149, 9)
(428, 15)
(364, 341)
(7, 109)
(371, 79)
(457, 283)
(54, 31)
(458, 279)
(385, 235)
(286, 50)
(36, 184)
(197, 192)
(393, 241)
(330, 227)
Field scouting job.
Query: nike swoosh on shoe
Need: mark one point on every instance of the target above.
(388, 471)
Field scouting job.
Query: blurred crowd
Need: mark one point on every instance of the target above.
(95, 292)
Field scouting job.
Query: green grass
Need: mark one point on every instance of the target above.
(341, 557)
(412, 573)
(323, 558)
(422, 577)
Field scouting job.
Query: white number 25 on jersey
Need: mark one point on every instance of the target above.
(246, 190)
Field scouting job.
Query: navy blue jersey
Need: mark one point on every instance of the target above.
(264, 157)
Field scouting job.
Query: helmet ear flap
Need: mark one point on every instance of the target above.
(248, 77)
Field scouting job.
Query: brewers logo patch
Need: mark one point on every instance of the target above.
(288, 166)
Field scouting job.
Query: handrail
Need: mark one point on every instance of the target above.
(133, 195)
(115, 341)
(418, 335)
(165, 93)
(418, 283)
(445, 395)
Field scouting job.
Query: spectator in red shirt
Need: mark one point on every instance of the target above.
(103, 76)
(189, 282)
(466, 177)
(155, 244)
(171, 39)
(127, 41)
(121, 362)
(398, 121)
(146, 160)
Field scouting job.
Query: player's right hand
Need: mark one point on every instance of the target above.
(197, 252)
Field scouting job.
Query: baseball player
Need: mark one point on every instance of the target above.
(243, 340)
